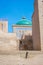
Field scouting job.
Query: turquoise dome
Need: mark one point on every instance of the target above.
(24, 21)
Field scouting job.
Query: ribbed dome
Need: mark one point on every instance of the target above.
(24, 21)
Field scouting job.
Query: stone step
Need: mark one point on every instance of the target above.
(21, 54)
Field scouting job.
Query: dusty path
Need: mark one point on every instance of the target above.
(17, 60)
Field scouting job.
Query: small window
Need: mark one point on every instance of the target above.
(2, 26)
(20, 42)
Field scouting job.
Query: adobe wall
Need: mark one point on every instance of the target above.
(40, 7)
(8, 42)
(36, 28)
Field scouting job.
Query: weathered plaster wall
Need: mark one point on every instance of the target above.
(8, 42)
(36, 28)
(40, 7)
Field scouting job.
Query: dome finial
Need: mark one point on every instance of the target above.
(23, 17)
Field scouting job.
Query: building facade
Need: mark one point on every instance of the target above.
(23, 30)
(12, 41)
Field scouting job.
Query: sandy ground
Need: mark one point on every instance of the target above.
(17, 60)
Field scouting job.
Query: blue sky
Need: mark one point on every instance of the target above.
(14, 10)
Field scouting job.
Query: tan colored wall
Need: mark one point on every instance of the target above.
(5, 26)
(40, 7)
(8, 42)
(35, 28)
(0, 26)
